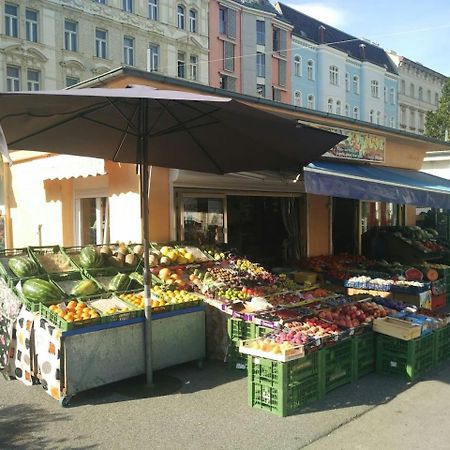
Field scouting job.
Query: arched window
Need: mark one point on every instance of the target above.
(330, 105)
(378, 117)
(298, 98)
(310, 69)
(334, 75)
(429, 96)
(347, 82)
(297, 65)
(436, 99)
(371, 113)
(347, 110)
(402, 87)
(356, 84)
(338, 107)
(412, 90)
(180, 17)
(375, 89)
(420, 93)
(392, 122)
(355, 112)
(392, 96)
(385, 94)
(310, 103)
(193, 21)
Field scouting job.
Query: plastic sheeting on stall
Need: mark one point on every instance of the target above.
(377, 183)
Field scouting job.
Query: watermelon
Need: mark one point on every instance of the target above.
(119, 282)
(413, 274)
(38, 290)
(137, 277)
(90, 258)
(22, 266)
(84, 288)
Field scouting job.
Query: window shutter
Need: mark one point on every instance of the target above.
(282, 73)
(231, 24)
(228, 54)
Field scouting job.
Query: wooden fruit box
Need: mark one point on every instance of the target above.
(398, 328)
(295, 352)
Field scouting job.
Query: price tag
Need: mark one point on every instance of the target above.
(393, 363)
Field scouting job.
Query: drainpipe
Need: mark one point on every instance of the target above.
(6, 191)
(39, 233)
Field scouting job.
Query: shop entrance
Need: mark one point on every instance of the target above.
(345, 226)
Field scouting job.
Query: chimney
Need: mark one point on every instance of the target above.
(321, 34)
(362, 50)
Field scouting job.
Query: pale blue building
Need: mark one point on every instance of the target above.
(337, 73)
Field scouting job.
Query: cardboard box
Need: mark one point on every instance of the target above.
(422, 300)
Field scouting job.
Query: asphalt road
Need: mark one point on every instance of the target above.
(209, 411)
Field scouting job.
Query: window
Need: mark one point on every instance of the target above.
(412, 119)
(70, 81)
(33, 80)
(310, 102)
(12, 78)
(279, 41)
(92, 221)
(402, 87)
(347, 82)
(355, 112)
(334, 75)
(371, 116)
(375, 89)
(276, 94)
(228, 56)
(403, 117)
(70, 35)
(193, 67)
(420, 93)
(193, 21)
(260, 65)
(310, 70)
(330, 105)
(392, 96)
(411, 90)
(181, 65)
(297, 98)
(421, 120)
(355, 84)
(385, 94)
(127, 5)
(297, 65)
(102, 2)
(228, 83)
(128, 50)
(282, 72)
(338, 107)
(436, 99)
(227, 22)
(385, 120)
(153, 9)
(180, 17)
(153, 58)
(392, 122)
(11, 20)
(31, 25)
(428, 96)
(347, 110)
(261, 90)
(260, 32)
(101, 37)
(378, 118)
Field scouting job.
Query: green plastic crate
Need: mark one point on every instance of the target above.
(40, 254)
(363, 354)
(282, 374)
(283, 401)
(238, 329)
(5, 271)
(260, 331)
(441, 345)
(335, 366)
(408, 359)
(235, 359)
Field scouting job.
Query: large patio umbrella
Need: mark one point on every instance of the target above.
(164, 128)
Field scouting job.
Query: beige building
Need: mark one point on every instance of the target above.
(419, 91)
(48, 44)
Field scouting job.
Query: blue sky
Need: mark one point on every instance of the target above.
(419, 30)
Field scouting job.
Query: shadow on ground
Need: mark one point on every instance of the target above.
(20, 423)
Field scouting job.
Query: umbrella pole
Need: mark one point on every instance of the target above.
(145, 193)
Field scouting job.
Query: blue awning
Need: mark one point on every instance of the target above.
(377, 183)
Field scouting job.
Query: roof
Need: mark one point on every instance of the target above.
(318, 117)
(262, 5)
(307, 28)
(418, 65)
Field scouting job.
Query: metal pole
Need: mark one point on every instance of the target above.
(145, 192)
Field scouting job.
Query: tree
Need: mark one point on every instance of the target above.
(437, 123)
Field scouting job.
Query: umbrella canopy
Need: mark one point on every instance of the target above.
(183, 130)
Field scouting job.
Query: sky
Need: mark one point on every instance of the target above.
(418, 30)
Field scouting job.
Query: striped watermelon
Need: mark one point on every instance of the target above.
(22, 266)
(90, 258)
(119, 282)
(37, 290)
(84, 288)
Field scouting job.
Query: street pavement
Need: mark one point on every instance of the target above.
(210, 411)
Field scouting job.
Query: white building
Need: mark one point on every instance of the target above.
(419, 91)
(56, 43)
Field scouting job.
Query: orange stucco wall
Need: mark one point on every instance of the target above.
(318, 211)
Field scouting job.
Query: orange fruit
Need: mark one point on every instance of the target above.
(61, 313)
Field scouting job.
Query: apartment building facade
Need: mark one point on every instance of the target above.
(56, 43)
(420, 90)
(249, 49)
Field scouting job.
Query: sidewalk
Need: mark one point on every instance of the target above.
(210, 411)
